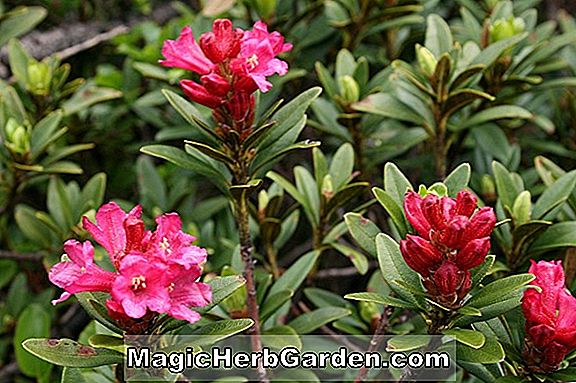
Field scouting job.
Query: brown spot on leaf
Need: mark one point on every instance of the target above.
(53, 342)
(86, 351)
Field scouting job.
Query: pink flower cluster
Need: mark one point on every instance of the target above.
(232, 64)
(453, 237)
(156, 272)
(550, 318)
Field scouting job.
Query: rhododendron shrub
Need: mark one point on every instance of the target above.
(156, 272)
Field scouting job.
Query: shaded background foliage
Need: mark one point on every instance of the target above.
(389, 77)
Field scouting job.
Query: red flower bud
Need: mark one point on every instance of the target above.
(433, 212)
(466, 203)
(413, 209)
(481, 224)
(135, 230)
(473, 254)
(453, 234)
(550, 318)
(419, 254)
(216, 84)
(222, 43)
(200, 94)
(449, 279)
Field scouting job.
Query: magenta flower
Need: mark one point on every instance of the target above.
(186, 54)
(156, 272)
(233, 64)
(77, 271)
(453, 237)
(185, 291)
(550, 318)
(141, 285)
(171, 245)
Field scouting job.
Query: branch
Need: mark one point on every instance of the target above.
(7, 254)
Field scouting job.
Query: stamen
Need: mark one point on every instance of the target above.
(138, 282)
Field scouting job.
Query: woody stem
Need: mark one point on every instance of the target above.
(246, 250)
(375, 342)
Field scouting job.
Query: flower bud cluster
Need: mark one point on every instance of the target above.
(453, 237)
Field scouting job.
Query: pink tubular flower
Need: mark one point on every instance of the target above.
(550, 318)
(185, 53)
(156, 272)
(453, 237)
(77, 271)
(233, 64)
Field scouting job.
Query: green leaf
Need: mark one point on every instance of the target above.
(86, 96)
(388, 106)
(407, 343)
(363, 231)
(385, 300)
(471, 338)
(550, 202)
(8, 269)
(295, 275)
(45, 132)
(559, 235)
(34, 321)
(495, 113)
(458, 179)
(92, 303)
(505, 185)
(273, 303)
(309, 190)
(19, 21)
(499, 289)
(489, 55)
(358, 259)
(192, 161)
(210, 152)
(478, 273)
(396, 183)
(463, 97)
(342, 166)
(438, 36)
(68, 353)
(393, 209)
(190, 114)
(214, 332)
(288, 117)
(394, 268)
(310, 321)
(281, 336)
(490, 352)
(72, 375)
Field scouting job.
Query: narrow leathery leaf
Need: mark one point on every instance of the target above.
(490, 352)
(438, 35)
(107, 341)
(392, 208)
(395, 269)
(496, 290)
(68, 353)
(358, 259)
(34, 321)
(396, 183)
(88, 301)
(326, 79)
(307, 187)
(466, 75)
(342, 165)
(210, 152)
(307, 144)
(407, 343)
(554, 196)
(190, 114)
(19, 21)
(489, 55)
(388, 106)
(557, 236)
(363, 231)
(441, 77)
(471, 338)
(310, 321)
(478, 273)
(256, 134)
(295, 275)
(273, 303)
(385, 300)
(496, 113)
(281, 336)
(523, 235)
(264, 119)
(463, 97)
(470, 311)
(45, 132)
(458, 179)
(344, 195)
(505, 185)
